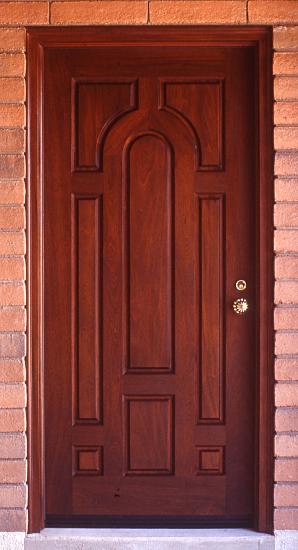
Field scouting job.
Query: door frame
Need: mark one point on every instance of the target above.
(257, 37)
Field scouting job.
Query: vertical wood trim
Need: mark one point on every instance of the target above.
(265, 337)
(34, 213)
(37, 39)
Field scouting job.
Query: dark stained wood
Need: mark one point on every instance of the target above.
(194, 101)
(154, 453)
(210, 289)
(211, 460)
(135, 227)
(264, 458)
(148, 225)
(86, 267)
(149, 258)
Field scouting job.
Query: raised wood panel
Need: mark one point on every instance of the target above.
(87, 309)
(87, 460)
(211, 303)
(149, 435)
(97, 105)
(198, 103)
(210, 460)
(148, 209)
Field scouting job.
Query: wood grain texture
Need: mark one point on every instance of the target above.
(211, 299)
(97, 104)
(148, 210)
(149, 435)
(221, 496)
(86, 308)
(199, 104)
(211, 460)
(87, 461)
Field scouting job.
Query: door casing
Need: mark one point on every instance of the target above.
(258, 37)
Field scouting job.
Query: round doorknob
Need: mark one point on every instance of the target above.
(240, 306)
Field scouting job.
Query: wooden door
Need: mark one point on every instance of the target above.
(149, 221)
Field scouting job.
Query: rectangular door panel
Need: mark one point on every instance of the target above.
(87, 308)
(149, 435)
(210, 299)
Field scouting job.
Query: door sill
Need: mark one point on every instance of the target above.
(148, 539)
(149, 522)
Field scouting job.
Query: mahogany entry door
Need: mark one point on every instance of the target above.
(149, 222)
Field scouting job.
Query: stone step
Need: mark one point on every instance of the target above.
(149, 539)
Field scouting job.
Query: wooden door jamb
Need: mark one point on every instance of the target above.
(258, 37)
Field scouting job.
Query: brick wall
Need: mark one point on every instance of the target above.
(283, 14)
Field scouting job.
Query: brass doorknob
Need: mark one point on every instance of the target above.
(240, 306)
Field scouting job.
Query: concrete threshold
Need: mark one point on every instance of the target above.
(148, 539)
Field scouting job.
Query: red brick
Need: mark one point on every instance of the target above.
(286, 495)
(273, 11)
(285, 318)
(13, 496)
(286, 420)
(286, 113)
(12, 90)
(12, 371)
(286, 138)
(286, 343)
(12, 446)
(12, 64)
(285, 63)
(12, 345)
(12, 396)
(12, 166)
(286, 241)
(12, 242)
(12, 420)
(286, 267)
(12, 217)
(12, 269)
(12, 320)
(285, 215)
(286, 445)
(286, 369)
(12, 471)
(285, 38)
(286, 518)
(286, 469)
(12, 115)
(286, 163)
(286, 292)
(197, 11)
(13, 192)
(12, 140)
(13, 520)
(286, 87)
(286, 189)
(24, 13)
(12, 39)
(99, 12)
(12, 294)
(286, 395)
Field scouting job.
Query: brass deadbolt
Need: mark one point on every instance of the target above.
(240, 285)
